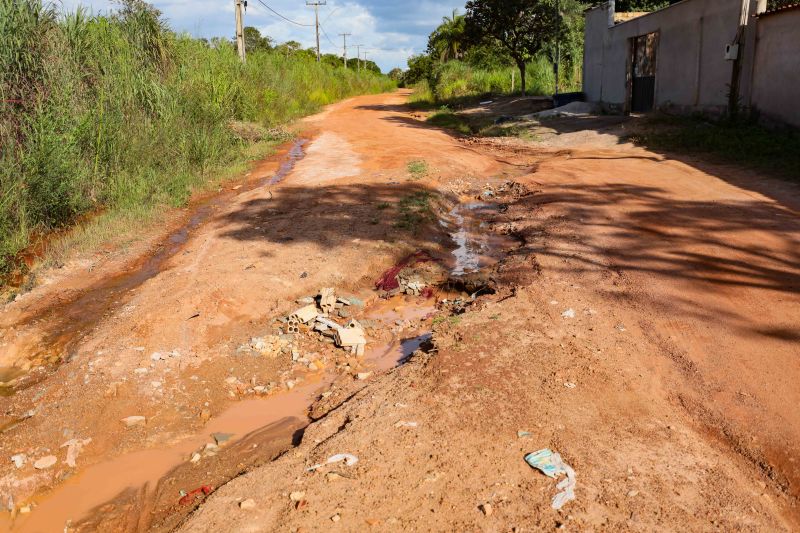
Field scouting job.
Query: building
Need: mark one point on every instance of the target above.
(709, 56)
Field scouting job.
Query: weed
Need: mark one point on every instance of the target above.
(447, 119)
(417, 168)
(414, 210)
(383, 205)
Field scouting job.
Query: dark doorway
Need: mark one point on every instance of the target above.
(643, 70)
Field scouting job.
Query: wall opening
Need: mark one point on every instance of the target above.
(644, 50)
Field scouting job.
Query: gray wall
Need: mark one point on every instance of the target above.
(692, 73)
(776, 74)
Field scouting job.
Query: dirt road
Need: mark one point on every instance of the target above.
(642, 321)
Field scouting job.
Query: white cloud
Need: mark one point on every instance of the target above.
(391, 31)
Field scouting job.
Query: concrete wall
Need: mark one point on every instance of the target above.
(691, 71)
(776, 74)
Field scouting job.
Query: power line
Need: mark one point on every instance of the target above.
(285, 18)
(326, 36)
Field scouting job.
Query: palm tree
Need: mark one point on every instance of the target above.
(447, 41)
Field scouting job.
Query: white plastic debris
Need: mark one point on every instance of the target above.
(550, 464)
(348, 458)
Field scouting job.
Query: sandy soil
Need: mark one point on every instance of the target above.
(644, 326)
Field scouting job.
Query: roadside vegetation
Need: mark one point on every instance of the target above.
(504, 48)
(743, 142)
(117, 114)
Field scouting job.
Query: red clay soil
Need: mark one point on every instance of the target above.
(645, 328)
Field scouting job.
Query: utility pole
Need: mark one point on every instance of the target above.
(365, 60)
(558, 42)
(344, 36)
(316, 18)
(239, 30)
(359, 56)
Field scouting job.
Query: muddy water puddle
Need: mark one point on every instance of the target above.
(68, 322)
(78, 496)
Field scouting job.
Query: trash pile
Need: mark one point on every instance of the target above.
(317, 315)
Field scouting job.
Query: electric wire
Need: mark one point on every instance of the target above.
(285, 18)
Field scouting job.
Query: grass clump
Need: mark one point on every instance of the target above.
(417, 169)
(116, 113)
(445, 118)
(743, 142)
(414, 210)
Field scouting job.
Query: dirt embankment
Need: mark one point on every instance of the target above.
(641, 322)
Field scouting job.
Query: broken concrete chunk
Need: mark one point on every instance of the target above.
(350, 337)
(45, 462)
(221, 438)
(19, 460)
(247, 504)
(327, 300)
(136, 420)
(304, 314)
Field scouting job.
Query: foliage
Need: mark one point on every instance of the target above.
(116, 112)
(420, 67)
(523, 27)
(445, 118)
(449, 40)
(254, 41)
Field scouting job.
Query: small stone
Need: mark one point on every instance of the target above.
(205, 414)
(195, 458)
(344, 313)
(297, 495)
(140, 370)
(363, 375)
(155, 356)
(332, 476)
(231, 380)
(221, 438)
(522, 434)
(290, 384)
(569, 313)
(247, 504)
(632, 493)
(19, 460)
(134, 420)
(335, 518)
(25, 509)
(45, 462)
(486, 508)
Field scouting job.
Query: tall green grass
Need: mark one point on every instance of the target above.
(117, 112)
(457, 81)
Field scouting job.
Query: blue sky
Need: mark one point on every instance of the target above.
(390, 30)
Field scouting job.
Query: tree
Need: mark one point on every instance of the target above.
(523, 27)
(396, 75)
(448, 40)
(420, 67)
(253, 41)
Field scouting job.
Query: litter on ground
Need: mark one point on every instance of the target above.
(550, 464)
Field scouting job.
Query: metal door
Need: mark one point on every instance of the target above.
(643, 70)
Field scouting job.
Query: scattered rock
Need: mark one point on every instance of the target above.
(19, 460)
(297, 495)
(363, 375)
(221, 438)
(195, 458)
(135, 420)
(335, 518)
(155, 356)
(205, 414)
(74, 448)
(247, 504)
(569, 313)
(45, 462)
(486, 508)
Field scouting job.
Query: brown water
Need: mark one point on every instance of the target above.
(69, 321)
(75, 498)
